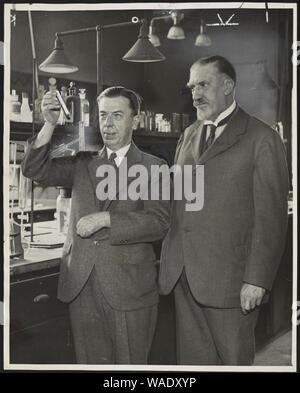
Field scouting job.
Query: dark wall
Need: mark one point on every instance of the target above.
(244, 45)
(80, 48)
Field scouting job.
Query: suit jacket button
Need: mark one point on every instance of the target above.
(96, 242)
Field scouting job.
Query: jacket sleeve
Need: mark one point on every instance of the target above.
(39, 166)
(270, 195)
(146, 225)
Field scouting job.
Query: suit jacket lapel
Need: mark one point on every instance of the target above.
(133, 157)
(231, 135)
(194, 141)
(188, 141)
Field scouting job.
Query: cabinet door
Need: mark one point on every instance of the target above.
(47, 343)
(39, 323)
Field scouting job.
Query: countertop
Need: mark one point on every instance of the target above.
(39, 258)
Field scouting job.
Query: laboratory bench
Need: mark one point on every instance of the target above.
(39, 323)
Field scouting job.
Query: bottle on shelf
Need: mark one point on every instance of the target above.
(73, 104)
(142, 124)
(159, 122)
(166, 126)
(15, 107)
(150, 121)
(84, 108)
(26, 113)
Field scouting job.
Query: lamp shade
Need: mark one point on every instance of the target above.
(153, 38)
(203, 38)
(143, 51)
(57, 62)
(176, 33)
(264, 80)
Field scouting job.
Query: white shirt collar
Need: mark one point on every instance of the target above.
(222, 115)
(121, 153)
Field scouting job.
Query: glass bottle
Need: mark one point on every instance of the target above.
(158, 122)
(73, 104)
(84, 108)
(150, 121)
(63, 205)
(142, 123)
(15, 107)
(26, 114)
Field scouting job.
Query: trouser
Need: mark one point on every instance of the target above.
(211, 336)
(103, 335)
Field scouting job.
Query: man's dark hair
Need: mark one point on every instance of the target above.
(223, 65)
(120, 91)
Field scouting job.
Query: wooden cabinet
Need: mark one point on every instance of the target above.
(39, 323)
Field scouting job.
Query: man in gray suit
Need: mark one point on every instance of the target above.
(107, 273)
(222, 259)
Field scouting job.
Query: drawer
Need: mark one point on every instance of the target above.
(33, 301)
(40, 216)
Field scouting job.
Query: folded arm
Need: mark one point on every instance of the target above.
(147, 224)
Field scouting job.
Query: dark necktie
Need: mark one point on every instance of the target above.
(112, 161)
(205, 142)
(212, 134)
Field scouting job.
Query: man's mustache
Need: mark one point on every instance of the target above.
(199, 102)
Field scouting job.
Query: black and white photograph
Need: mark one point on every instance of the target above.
(150, 187)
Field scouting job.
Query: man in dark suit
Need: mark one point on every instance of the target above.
(107, 274)
(222, 259)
